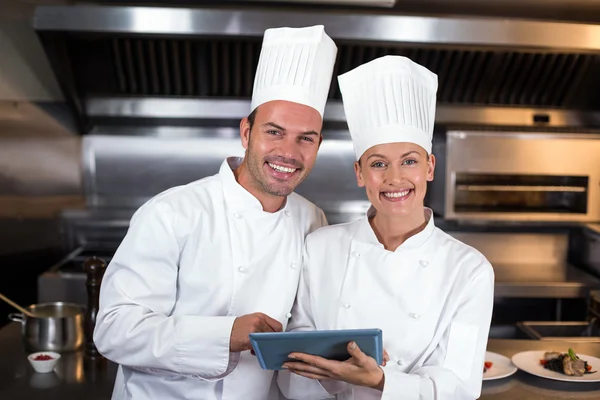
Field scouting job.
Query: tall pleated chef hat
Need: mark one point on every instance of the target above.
(387, 100)
(295, 64)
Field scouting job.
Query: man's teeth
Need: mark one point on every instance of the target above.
(396, 194)
(281, 169)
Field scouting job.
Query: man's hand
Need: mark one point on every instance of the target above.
(247, 324)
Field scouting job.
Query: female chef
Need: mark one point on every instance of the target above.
(431, 295)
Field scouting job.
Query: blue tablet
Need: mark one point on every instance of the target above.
(272, 349)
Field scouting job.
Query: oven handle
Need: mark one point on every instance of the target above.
(515, 188)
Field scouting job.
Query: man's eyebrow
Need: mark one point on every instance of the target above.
(281, 128)
(274, 125)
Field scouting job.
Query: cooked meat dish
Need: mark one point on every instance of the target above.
(566, 363)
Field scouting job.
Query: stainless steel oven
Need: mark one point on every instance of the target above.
(519, 176)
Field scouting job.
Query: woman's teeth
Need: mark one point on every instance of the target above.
(281, 168)
(396, 194)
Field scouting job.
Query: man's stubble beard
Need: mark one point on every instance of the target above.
(255, 167)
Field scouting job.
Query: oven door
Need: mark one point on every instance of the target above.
(535, 196)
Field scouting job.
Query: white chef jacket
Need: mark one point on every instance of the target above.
(194, 258)
(432, 297)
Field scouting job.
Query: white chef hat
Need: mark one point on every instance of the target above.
(295, 64)
(390, 99)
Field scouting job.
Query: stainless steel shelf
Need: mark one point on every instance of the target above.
(543, 281)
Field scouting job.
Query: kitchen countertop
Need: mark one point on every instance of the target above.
(74, 378)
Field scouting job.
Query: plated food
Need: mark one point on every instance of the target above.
(558, 366)
(566, 363)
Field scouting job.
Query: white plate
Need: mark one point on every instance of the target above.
(501, 366)
(529, 361)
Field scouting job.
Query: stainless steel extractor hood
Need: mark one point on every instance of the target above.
(189, 66)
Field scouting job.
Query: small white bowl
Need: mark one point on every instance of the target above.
(44, 366)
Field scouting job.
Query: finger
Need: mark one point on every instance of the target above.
(316, 361)
(307, 368)
(356, 353)
(264, 327)
(273, 323)
(386, 358)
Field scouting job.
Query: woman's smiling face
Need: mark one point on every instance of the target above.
(395, 177)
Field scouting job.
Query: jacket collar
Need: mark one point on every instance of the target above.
(366, 235)
(237, 198)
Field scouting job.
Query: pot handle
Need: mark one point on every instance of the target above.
(16, 317)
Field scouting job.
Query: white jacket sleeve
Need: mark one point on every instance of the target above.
(294, 386)
(135, 326)
(455, 367)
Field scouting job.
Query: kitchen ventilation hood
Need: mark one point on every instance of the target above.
(189, 66)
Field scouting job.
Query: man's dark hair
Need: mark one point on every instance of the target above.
(252, 117)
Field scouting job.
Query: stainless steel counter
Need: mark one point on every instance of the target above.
(73, 378)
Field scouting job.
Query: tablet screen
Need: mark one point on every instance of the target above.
(272, 349)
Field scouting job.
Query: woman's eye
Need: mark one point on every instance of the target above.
(409, 162)
(378, 164)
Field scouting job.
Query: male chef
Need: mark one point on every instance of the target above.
(204, 265)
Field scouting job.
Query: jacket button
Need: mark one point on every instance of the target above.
(288, 315)
(287, 213)
(400, 361)
(356, 254)
(236, 216)
(293, 265)
(241, 269)
(423, 263)
(346, 305)
(415, 316)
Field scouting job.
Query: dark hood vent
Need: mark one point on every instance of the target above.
(115, 53)
(225, 68)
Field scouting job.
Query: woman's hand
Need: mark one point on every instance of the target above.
(360, 369)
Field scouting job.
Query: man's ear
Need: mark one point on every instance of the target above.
(245, 132)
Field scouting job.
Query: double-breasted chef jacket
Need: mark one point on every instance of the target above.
(432, 297)
(194, 258)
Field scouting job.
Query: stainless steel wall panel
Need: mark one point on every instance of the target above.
(125, 171)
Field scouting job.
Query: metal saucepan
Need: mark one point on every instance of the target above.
(55, 327)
